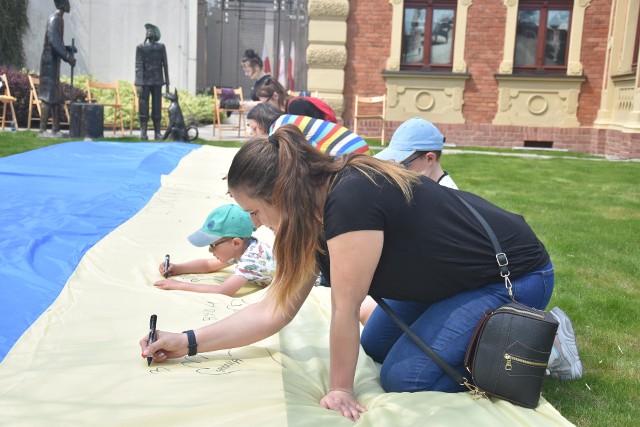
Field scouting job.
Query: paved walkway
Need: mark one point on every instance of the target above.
(229, 132)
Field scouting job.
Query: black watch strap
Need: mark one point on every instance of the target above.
(193, 345)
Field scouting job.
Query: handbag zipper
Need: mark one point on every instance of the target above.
(541, 316)
(508, 358)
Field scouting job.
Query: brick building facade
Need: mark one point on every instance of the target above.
(482, 99)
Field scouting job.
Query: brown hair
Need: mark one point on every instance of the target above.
(284, 170)
(264, 115)
(252, 58)
(271, 86)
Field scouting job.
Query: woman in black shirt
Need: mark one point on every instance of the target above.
(371, 227)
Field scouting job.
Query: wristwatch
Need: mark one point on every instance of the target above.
(193, 345)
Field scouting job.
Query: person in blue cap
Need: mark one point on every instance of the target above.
(417, 144)
(227, 232)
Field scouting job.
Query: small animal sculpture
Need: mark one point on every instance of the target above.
(177, 128)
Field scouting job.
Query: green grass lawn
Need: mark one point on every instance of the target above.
(587, 213)
(17, 142)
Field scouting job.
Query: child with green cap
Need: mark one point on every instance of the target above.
(227, 231)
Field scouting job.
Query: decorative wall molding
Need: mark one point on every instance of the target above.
(328, 9)
(538, 101)
(327, 56)
(327, 53)
(437, 97)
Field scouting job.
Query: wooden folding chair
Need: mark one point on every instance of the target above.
(107, 94)
(218, 109)
(36, 113)
(7, 99)
(370, 113)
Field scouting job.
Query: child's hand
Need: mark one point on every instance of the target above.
(171, 269)
(168, 284)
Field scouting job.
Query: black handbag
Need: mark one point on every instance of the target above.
(230, 104)
(509, 350)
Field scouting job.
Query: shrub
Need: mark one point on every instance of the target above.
(197, 110)
(20, 89)
(14, 22)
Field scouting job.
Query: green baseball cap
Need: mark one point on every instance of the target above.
(224, 221)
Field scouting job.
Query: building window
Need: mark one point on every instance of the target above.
(542, 35)
(433, 22)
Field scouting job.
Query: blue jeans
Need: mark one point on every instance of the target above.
(446, 326)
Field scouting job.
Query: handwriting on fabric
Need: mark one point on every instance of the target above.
(216, 310)
(210, 365)
(216, 364)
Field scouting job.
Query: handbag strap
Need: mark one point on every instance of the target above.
(421, 344)
(501, 257)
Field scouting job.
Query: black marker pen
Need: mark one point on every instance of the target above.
(152, 334)
(166, 266)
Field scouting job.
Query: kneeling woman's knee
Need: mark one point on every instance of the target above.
(409, 376)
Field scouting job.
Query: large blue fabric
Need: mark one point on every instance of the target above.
(55, 204)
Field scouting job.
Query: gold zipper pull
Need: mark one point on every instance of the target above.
(507, 365)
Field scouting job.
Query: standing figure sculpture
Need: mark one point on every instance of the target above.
(152, 72)
(54, 51)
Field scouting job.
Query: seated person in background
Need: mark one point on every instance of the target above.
(227, 231)
(417, 144)
(327, 137)
(253, 68)
(272, 92)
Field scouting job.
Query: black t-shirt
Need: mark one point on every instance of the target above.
(433, 248)
(303, 107)
(254, 89)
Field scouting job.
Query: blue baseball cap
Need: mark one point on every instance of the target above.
(224, 221)
(415, 134)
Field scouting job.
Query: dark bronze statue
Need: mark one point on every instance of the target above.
(54, 51)
(152, 72)
(177, 128)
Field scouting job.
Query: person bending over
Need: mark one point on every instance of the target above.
(371, 227)
(417, 145)
(328, 137)
(227, 232)
(272, 92)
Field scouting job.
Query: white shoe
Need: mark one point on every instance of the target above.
(564, 363)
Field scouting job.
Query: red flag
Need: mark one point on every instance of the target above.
(282, 76)
(292, 67)
(265, 58)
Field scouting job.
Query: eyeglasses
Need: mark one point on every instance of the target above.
(212, 246)
(407, 163)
